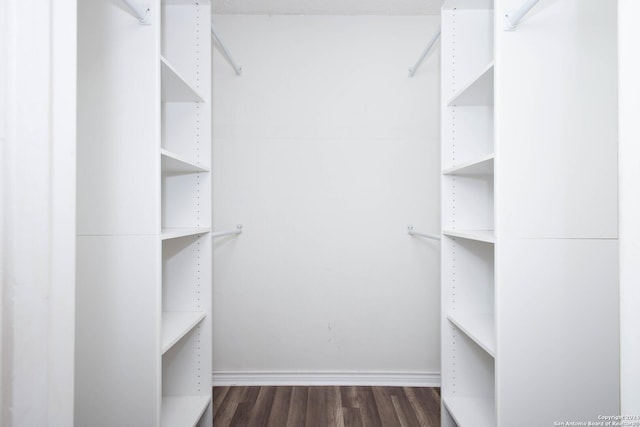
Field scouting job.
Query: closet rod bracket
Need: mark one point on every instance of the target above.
(511, 20)
(142, 13)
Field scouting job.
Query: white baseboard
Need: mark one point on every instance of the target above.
(281, 378)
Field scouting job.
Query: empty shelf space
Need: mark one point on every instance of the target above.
(174, 87)
(176, 324)
(172, 163)
(479, 91)
(174, 233)
(478, 327)
(471, 412)
(487, 236)
(481, 166)
(183, 411)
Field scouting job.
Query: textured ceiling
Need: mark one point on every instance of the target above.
(327, 7)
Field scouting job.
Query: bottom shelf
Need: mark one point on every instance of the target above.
(470, 411)
(183, 411)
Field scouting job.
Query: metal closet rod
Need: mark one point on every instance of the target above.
(511, 20)
(425, 52)
(425, 235)
(225, 52)
(142, 13)
(238, 230)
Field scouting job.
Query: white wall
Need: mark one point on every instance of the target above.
(325, 150)
(38, 49)
(629, 155)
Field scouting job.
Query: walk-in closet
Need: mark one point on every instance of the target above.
(337, 213)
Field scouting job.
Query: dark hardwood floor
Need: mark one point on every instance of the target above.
(326, 406)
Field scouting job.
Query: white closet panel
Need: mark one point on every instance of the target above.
(557, 308)
(117, 331)
(558, 83)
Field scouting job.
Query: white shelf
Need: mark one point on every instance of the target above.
(172, 163)
(467, 4)
(471, 412)
(174, 87)
(481, 166)
(479, 327)
(487, 236)
(183, 411)
(479, 91)
(174, 233)
(176, 324)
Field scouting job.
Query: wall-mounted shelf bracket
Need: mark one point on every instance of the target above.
(425, 235)
(142, 13)
(225, 52)
(511, 20)
(238, 230)
(425, 52)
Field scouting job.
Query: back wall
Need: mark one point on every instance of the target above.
(324, 149)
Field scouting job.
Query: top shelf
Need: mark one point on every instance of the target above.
(174, 87)
(467, 4)
(479, 91)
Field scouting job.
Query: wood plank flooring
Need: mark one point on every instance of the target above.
(326, 406)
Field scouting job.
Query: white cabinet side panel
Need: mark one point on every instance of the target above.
(118, 331)
(629, 69)
(118, 121)
(556, 121)
(557, 317)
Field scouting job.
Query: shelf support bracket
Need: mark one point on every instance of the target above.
(425, 52)
(511, 20)
(142, 13)
(225, 52)
(238, 230)
(425, 235)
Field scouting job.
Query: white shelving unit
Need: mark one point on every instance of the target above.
(529, 249)
(186, 214)
(144, 331)
(468, 315)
